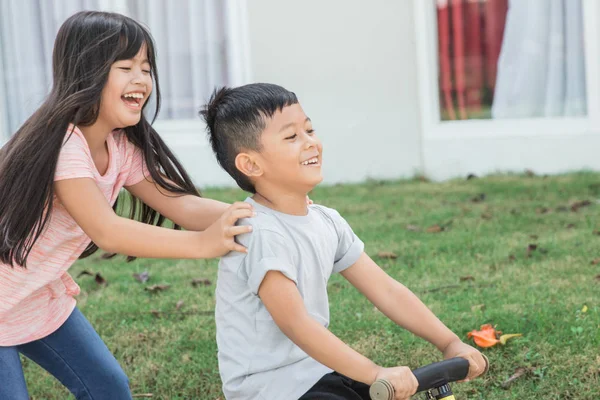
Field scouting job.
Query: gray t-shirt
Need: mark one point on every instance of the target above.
(256, 360)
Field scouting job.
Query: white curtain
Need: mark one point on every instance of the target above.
(194, 42)
(541, 71)
(200, 44)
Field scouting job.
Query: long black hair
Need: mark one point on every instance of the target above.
(86, 46)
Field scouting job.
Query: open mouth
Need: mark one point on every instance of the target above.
(311, 162)
(133, 100)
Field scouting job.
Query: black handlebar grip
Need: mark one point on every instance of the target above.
(440, 373)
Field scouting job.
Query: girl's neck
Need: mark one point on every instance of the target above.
(96, 135)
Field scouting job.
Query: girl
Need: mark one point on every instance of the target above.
(59, 176)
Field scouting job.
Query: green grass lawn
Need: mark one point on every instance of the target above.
(480, 258)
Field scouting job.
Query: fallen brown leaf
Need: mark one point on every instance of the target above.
(479, 198)
(596, 232)
(156, 313)
(580, 204)
(595, 261)
(157, 288)
(201, 282)
(467, 278)
(99, 279)
(435, 229)
(512, 257)
(530, 249)
(179, 304)
(487, 215)
(142, 277)
(519, 372)
(85, 272)
(598, 277)
(387, 254)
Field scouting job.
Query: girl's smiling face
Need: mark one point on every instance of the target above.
(126, 91)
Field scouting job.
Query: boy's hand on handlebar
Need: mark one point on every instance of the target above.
(402, 379)
(477, 364)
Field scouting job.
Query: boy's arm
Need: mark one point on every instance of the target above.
(401, 305)
(284, 302)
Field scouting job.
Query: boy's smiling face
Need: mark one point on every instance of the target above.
(290, 155)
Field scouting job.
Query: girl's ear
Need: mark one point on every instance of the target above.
(248, 164)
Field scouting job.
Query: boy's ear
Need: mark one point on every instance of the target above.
(247, 164)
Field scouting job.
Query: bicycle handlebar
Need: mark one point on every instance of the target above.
(440, 373)
(429, 377)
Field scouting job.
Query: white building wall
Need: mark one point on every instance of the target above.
(352, 64)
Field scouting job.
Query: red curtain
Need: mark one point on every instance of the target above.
(469, 40)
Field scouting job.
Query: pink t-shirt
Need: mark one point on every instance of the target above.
(36, 301)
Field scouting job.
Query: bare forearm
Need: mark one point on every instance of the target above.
(197, 213)
(132, 238)
(329, 350)
(404, 308)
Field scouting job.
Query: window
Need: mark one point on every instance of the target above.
(200, 44)
(506, 59)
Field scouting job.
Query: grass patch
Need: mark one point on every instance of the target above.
(488, 227)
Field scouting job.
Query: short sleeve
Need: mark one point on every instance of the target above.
(74, 159)
(267, 251)
(350, 247)
(136, 165)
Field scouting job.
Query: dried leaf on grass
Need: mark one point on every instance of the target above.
(479, 198)
(97, 277)
(201, 282)
(580, 204)
(142, 277)
(467, 278)
(387, 255)
(179, 304)
(157, 288)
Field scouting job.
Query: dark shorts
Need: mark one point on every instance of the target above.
(334, 386)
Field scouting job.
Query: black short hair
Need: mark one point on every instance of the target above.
(235, 119)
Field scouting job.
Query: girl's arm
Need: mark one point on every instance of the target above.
(190, 212)
(401, 305)
(89, 208)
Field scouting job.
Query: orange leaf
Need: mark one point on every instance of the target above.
(485, 337)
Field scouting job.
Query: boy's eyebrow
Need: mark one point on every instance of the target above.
(283, 128)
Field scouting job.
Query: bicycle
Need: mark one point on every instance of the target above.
(434, 378)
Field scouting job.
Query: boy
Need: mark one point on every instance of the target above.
(272, 309)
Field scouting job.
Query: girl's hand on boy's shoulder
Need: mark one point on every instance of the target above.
(221, 234)
(477, 362)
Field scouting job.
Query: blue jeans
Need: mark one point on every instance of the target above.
(75, 355)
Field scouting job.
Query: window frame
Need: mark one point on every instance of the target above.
(428, 84)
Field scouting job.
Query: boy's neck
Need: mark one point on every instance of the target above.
(288, 203)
